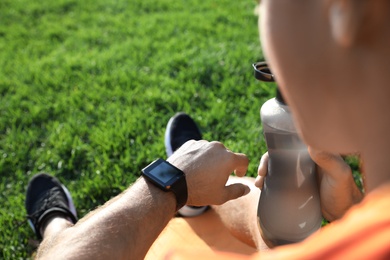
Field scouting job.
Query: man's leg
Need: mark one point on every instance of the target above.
(49, 207)
(52, 229)
(56, 225)
(240, 215)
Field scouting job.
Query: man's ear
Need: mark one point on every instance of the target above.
(354, 22)
(345, 20)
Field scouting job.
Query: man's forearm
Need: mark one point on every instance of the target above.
(125, 227)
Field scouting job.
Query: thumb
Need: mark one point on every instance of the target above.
(331, 164)
(234, 191)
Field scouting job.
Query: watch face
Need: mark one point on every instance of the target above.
(163, 173)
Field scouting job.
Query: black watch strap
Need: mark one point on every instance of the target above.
(180, 191)
(167, 177)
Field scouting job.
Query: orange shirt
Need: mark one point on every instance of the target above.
(363, 233)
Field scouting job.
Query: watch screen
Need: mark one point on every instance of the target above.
(164, 172)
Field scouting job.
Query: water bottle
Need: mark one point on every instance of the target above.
(289, 208)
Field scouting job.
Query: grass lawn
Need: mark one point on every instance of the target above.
(87, 88)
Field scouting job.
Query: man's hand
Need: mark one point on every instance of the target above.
(127, 225)
(207, 166)
(338, 191)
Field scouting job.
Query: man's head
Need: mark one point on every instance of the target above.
(330, 58)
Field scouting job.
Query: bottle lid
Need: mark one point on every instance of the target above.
(263, 73)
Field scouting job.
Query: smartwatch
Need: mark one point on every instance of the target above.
(168, 178)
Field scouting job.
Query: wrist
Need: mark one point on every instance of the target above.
(167, 178)
(158, 198)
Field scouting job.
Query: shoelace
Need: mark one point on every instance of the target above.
(50, 199)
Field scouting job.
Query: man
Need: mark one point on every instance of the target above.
(330, 58)
(128, 227)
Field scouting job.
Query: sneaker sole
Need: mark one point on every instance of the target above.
(167, 139)
(188, 211)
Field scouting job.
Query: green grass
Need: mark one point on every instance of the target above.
(87, 88)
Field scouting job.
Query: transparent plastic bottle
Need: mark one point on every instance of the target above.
(289, 207)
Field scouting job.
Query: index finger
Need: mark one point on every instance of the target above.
(241, 163)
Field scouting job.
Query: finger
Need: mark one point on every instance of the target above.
(241, 163)
(330, 164)
(188, 143)
(234, 191)
(193, 142)
(263, 165)
(259, 181)
(217, 144)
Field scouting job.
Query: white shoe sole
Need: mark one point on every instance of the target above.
(167, 139)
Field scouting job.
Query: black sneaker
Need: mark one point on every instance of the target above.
(180, 129)
(47, 196)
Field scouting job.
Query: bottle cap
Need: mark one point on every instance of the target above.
(263, 73)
